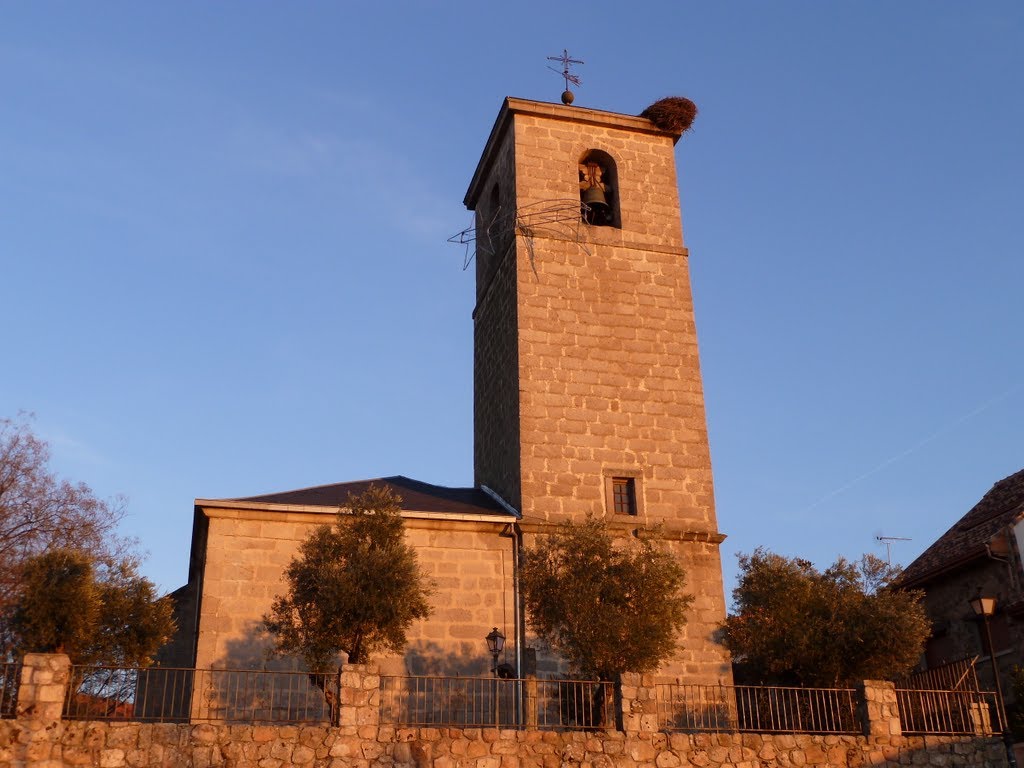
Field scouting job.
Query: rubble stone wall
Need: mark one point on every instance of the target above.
(38, 738)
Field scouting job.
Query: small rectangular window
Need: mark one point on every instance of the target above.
(624, 495)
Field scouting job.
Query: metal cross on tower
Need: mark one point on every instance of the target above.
(566, 62)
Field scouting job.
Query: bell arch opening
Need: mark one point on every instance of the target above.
(599, 201)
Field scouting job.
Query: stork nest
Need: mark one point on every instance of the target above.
(673, 113)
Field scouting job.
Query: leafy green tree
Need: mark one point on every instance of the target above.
(354, 587)
(40, 511)
(795, 625)
(97, 612)
(607, 609)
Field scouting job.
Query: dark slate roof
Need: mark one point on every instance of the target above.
(966, 540)
(415, 495)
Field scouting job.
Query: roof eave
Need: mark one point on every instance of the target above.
(315, 509)
(967, 558)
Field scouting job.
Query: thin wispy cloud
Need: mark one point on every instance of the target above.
(932, 437)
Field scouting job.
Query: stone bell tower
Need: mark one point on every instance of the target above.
(588, 395)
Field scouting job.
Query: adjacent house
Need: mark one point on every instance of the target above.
(981, 553)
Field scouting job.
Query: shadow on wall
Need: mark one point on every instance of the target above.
(252, 651)
(427, 658)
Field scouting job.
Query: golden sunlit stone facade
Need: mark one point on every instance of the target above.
(585, 346)
(588, 400)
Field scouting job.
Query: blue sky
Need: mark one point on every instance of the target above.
(223, 265)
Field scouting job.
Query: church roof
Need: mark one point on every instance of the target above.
(416, 496)
(967, 539)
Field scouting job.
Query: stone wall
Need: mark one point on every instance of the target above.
(957, 632)
(496, 338)
(470, 565)
(40, 739)
(586, 350)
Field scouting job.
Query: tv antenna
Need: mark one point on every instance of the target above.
(888, 540)
(565, 73)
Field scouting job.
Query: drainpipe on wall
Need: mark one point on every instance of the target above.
(516, 534)
(517, 612)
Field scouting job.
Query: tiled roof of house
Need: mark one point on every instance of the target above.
(966, 540)
(416, 496)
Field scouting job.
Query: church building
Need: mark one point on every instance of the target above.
(587, 401)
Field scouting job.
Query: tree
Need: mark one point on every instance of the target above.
(39, 511)
(794, 625)
(607, 609)
(354, 587)
(96, 612)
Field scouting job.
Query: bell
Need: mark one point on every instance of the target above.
(594, 198)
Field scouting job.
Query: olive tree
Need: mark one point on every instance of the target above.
(40, 513)
(608, 608)
(354, 586)
(795, 625)
(96, 611)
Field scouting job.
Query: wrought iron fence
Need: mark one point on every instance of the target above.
(489, 702)
(948, 712)
(958, 675)
(757, 709)
(10, 676)
(163, 694)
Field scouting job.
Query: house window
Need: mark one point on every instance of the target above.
(940, 649)
(624, 495)
(621, 492)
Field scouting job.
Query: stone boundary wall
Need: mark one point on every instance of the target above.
(38, 737)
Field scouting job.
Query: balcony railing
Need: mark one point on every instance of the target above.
(762, 709)
(486, 702)
(163, 694)
(958, 675)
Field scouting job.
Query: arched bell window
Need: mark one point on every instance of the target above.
(599, 202)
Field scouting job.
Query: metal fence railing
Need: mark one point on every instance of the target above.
(484, 702)
(760, 709)
(948, 712)
(163, 694)
(958, 675)
(10, 677)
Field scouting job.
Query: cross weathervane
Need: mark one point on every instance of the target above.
(569, 76)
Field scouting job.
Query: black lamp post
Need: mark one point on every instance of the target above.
(985, 607)
(495, 642)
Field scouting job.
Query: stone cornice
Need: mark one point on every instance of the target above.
(633, 528)
(228, 508)
(513, 106)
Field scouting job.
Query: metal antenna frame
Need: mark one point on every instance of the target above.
(555, 219)
(888, 540)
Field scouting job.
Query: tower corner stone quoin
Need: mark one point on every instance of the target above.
(586, 368)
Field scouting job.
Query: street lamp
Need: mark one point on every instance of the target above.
(985, 607)
(495, 642)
